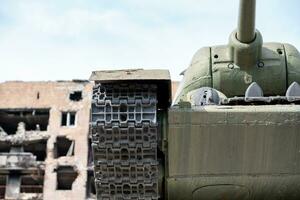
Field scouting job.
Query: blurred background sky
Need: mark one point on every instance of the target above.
(68, 39)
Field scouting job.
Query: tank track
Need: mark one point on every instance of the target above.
(124, 140)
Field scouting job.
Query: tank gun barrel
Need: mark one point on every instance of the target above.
(246, 42)
(246, 23)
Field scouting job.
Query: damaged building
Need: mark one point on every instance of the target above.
(45, 145)
(44, 140)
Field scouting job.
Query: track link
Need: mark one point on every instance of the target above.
(124, 139)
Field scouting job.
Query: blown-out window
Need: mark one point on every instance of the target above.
(68, 119)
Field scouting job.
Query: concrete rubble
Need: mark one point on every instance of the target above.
(44, 140)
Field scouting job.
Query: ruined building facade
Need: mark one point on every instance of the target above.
(44, 140)
(45, 144)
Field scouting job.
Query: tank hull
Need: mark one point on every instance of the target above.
(234, 152)
(235, 187)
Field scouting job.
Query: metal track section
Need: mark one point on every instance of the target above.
(124, 139)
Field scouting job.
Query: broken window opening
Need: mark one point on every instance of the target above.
(27, 119)
(91, 190)
(32, 183)
(3, 180)
(13, 184)
(68, 119)
(75, 96)
(63, 147)
(4, 147)
(72, 119)
(66, 175)
(64, 119)
(90, 153)
(38, 149)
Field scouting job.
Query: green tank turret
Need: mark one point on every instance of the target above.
(245, 59)
(232, 131)
(233, 124)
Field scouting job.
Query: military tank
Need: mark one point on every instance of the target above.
(232, 131)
